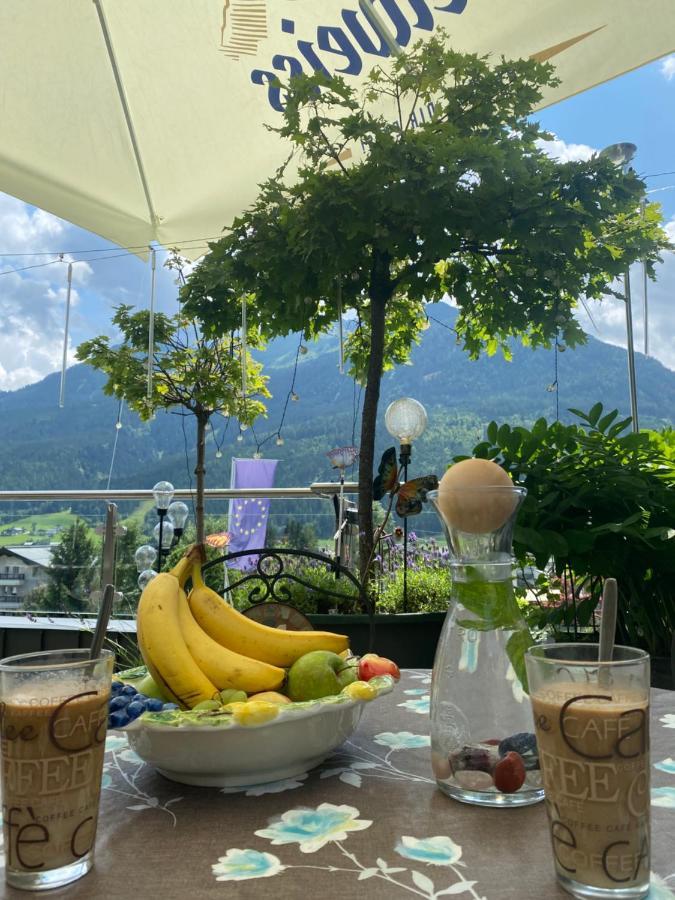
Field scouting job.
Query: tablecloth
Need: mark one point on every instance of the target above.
(369, 822)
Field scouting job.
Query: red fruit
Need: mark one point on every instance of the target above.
(509, 773)
(371, 665)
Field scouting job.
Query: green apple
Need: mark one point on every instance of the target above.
(148, 686)
(318, 674)
(349, 672)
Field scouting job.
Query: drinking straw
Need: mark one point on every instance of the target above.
(608, 621)
(102, 621)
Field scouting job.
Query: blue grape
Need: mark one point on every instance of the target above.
(118, 719)
(135, 709)
(119, 702)
(129, 689)
(153, 705)
(116, 687)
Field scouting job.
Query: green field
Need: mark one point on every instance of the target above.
(31, 526)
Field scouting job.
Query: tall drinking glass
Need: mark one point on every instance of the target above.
(53, 719)
(592, 727)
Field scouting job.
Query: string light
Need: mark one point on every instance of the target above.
(219, 444)
(279, 441)
(294, 396)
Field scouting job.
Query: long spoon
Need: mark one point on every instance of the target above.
(607, 626)
(102, 621)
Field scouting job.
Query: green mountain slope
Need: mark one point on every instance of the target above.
(44, 447)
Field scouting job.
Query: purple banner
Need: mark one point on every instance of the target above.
(247, 518)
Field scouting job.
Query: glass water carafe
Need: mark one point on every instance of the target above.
(482, 731)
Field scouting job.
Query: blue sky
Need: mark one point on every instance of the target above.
(638, 107)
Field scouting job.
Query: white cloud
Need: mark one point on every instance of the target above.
(610, 315)
(27, 230)
(32, 316)
(564, 152)
(668, 68)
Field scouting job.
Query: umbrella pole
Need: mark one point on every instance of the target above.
(151, 323)
(64, 361)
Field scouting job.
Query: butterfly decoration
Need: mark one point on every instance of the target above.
(409, 496)
(341, 457)
(218, 540)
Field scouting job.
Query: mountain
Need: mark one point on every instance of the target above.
(44, 447)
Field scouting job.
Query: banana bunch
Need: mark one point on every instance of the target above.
(196, 646)
(186, 663)
(229, 628)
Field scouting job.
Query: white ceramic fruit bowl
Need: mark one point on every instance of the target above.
(215, 751)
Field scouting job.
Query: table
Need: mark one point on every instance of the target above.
(378, 826)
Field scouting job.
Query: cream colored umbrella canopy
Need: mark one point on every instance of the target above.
(143, 120)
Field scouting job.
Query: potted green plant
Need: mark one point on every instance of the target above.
(600, 503)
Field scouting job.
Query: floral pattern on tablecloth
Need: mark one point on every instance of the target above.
(122, 769)
(328, 827)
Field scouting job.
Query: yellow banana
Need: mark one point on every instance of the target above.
(162, 645)
(235, 631)
(225, 668)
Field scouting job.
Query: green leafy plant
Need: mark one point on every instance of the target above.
(600, 503)
(379, 210)
(427, 591)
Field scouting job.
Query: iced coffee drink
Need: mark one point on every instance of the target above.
(52, 730)
(592, 728)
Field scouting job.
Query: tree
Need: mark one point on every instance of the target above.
(300, 535)
(191, 368)
(72, 571)
(126, 571)
(432, 183)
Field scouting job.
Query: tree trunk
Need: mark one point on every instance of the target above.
(381, 289)
(200, 472)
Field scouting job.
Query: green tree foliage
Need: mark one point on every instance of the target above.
(600, 503)
(376, 211)
(192, 369)
(73, 571)
(126, 572)
(300, 535)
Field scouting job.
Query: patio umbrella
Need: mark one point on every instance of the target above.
(143, 120)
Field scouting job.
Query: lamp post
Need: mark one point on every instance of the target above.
(405, 420)
(163, 493)
(621, 155)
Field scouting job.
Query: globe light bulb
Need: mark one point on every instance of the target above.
(144, 557)
(118, 425)
(279, 441)
(257, 455)
(219, 454)
(177, 515)
(163, 493)
(405, 419)
(302, 349)
(240, 438)
(294, 397)
(145, 578)
(167, 535)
